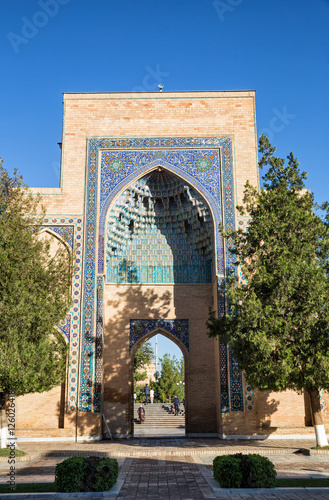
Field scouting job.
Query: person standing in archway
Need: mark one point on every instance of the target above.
(176, 405)
(147, 393)
(141, 414)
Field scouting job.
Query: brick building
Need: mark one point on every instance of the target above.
(146, 179)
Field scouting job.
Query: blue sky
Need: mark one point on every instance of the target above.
(279, 48)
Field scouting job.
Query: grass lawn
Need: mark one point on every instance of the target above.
(280, 483)
(284, 482)
(5, 452)
(29, 488)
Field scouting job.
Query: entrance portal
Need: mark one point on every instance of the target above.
(160, 277)
(164, 406)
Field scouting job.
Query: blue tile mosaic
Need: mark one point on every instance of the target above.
(97, 401)
(183, 163)
(224, 382)
(159, 231)
(70, 230)
(249, 397)
(178, 328)
(236, 390)
(205, 163)
(65, 326)
(65, 232)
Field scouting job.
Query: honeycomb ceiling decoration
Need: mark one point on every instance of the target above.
(159, 230)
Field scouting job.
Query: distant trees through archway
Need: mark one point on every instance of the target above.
(165, 374)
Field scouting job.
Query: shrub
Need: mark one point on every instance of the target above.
(244, 471)
(227, 471)
(86, 474)
(69, 474)
(262, 472)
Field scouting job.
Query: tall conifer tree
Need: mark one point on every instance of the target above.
(35, 294)
(277, 318)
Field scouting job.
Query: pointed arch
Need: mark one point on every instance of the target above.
(184, 176)
(165, 333)
(177, 329)
(47, 231)
(64, 328)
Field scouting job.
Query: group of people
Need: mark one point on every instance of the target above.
(149, 393)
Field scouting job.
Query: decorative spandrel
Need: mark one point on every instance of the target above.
(205, 163)
(178, 328)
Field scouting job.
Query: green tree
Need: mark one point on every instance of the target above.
(143, 358)
(35, 294)
(277, 322)
(172, 372)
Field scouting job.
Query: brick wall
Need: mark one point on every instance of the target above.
(166, 114)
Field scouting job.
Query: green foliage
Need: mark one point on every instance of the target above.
(227, 471)
(244, 471)
(262, 473)
(143, 358)
(86, 474)
(69, 474)
(277, 322)
(28, 488)
(139, 376)
(35, 294)
(102, 474)
(6, 452)
(301, 482)
(172, 372)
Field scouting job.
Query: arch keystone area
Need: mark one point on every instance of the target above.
(177, 329)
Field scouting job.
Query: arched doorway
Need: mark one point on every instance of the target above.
(161, 419)
(160, 276)
(160, 230)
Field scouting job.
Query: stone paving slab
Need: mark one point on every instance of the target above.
(164, 447)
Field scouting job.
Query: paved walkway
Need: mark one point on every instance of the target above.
(164, 447)
(161, 469)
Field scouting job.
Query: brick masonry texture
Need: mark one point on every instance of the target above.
(107, 127)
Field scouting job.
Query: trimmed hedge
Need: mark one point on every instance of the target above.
(86, 474)
(244, 471)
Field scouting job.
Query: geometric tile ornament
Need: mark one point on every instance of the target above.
(70, 230)
(176, 327)
(204, 163)
(65, 326)
(249, 396)
(99, 346)
(224, 381)
(65, 232)
(184, 162)
(322, 400)
(236, 390)
(159, 231)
